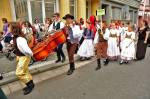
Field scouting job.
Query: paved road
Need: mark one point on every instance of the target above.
(112, 82)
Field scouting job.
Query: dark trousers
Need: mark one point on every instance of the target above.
(59, 51)
(71, 49)
(1, 47)
(141, 50)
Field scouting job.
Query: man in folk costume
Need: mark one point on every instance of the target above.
(113, 50)
(86, 50)
(101, 45)
(23, 53)
(73, 34)
(56, 25)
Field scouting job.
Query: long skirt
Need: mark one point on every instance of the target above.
(128, 50)
(101, 50)
(141, 50)
(22, 70)
(113, 50)
(86, 49)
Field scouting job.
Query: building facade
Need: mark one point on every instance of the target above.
(125, 10)
(41, 9)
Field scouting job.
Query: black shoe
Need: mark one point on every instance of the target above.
(106, 62)
(97, 68)
(87, 58)
(121, 62)
(98, 65)
(29, 88)
(1, 76)
(26, 90)
(126, 62)
(63, 60)
(70, 71)
(57, 61)
(82, 59)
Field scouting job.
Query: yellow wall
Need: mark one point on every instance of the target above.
(5, 11)
(64, 7)
(81, 9)
(94, 6)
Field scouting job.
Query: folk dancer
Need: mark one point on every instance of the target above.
(113, 50)
(23, 53)
(101, 45)
(73, 35)
(86, 50)
(128, 46)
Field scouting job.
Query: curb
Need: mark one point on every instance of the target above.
(16, 85)
(35, 69)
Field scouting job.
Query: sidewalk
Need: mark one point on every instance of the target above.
(41, 73)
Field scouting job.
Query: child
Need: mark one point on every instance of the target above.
(128, 46)
(113, 50)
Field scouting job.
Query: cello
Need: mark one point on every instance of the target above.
(42, 49)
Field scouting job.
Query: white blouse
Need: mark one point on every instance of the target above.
(23, 46)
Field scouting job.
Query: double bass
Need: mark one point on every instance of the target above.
(42, 49)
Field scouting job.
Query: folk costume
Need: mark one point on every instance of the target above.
(59, 50)
(101, 46)
(23, 53)
(86, 49)
(73, 35)
(128, 47)
(113, 50)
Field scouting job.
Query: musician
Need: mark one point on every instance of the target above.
(56, 25)
(73, 35)
(23, 53)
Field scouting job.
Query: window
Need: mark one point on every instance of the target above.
(50, 8)
(72, 7)
(21, 9)
(116, 13)
(36, 9)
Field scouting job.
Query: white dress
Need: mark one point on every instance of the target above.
(128, 46)
(113, 50)
(87, 47)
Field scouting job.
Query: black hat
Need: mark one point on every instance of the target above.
(68, 16)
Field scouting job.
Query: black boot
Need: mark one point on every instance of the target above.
(58, 60)
(71, 70)
(29, 88)
(1, 76)
(63, 59)
(98, 64)
(106, 62)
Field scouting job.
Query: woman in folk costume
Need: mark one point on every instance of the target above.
(23, 53)
(128, 46)
(86, 50)
(101, 45)
(73, 34)
(113, 50)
